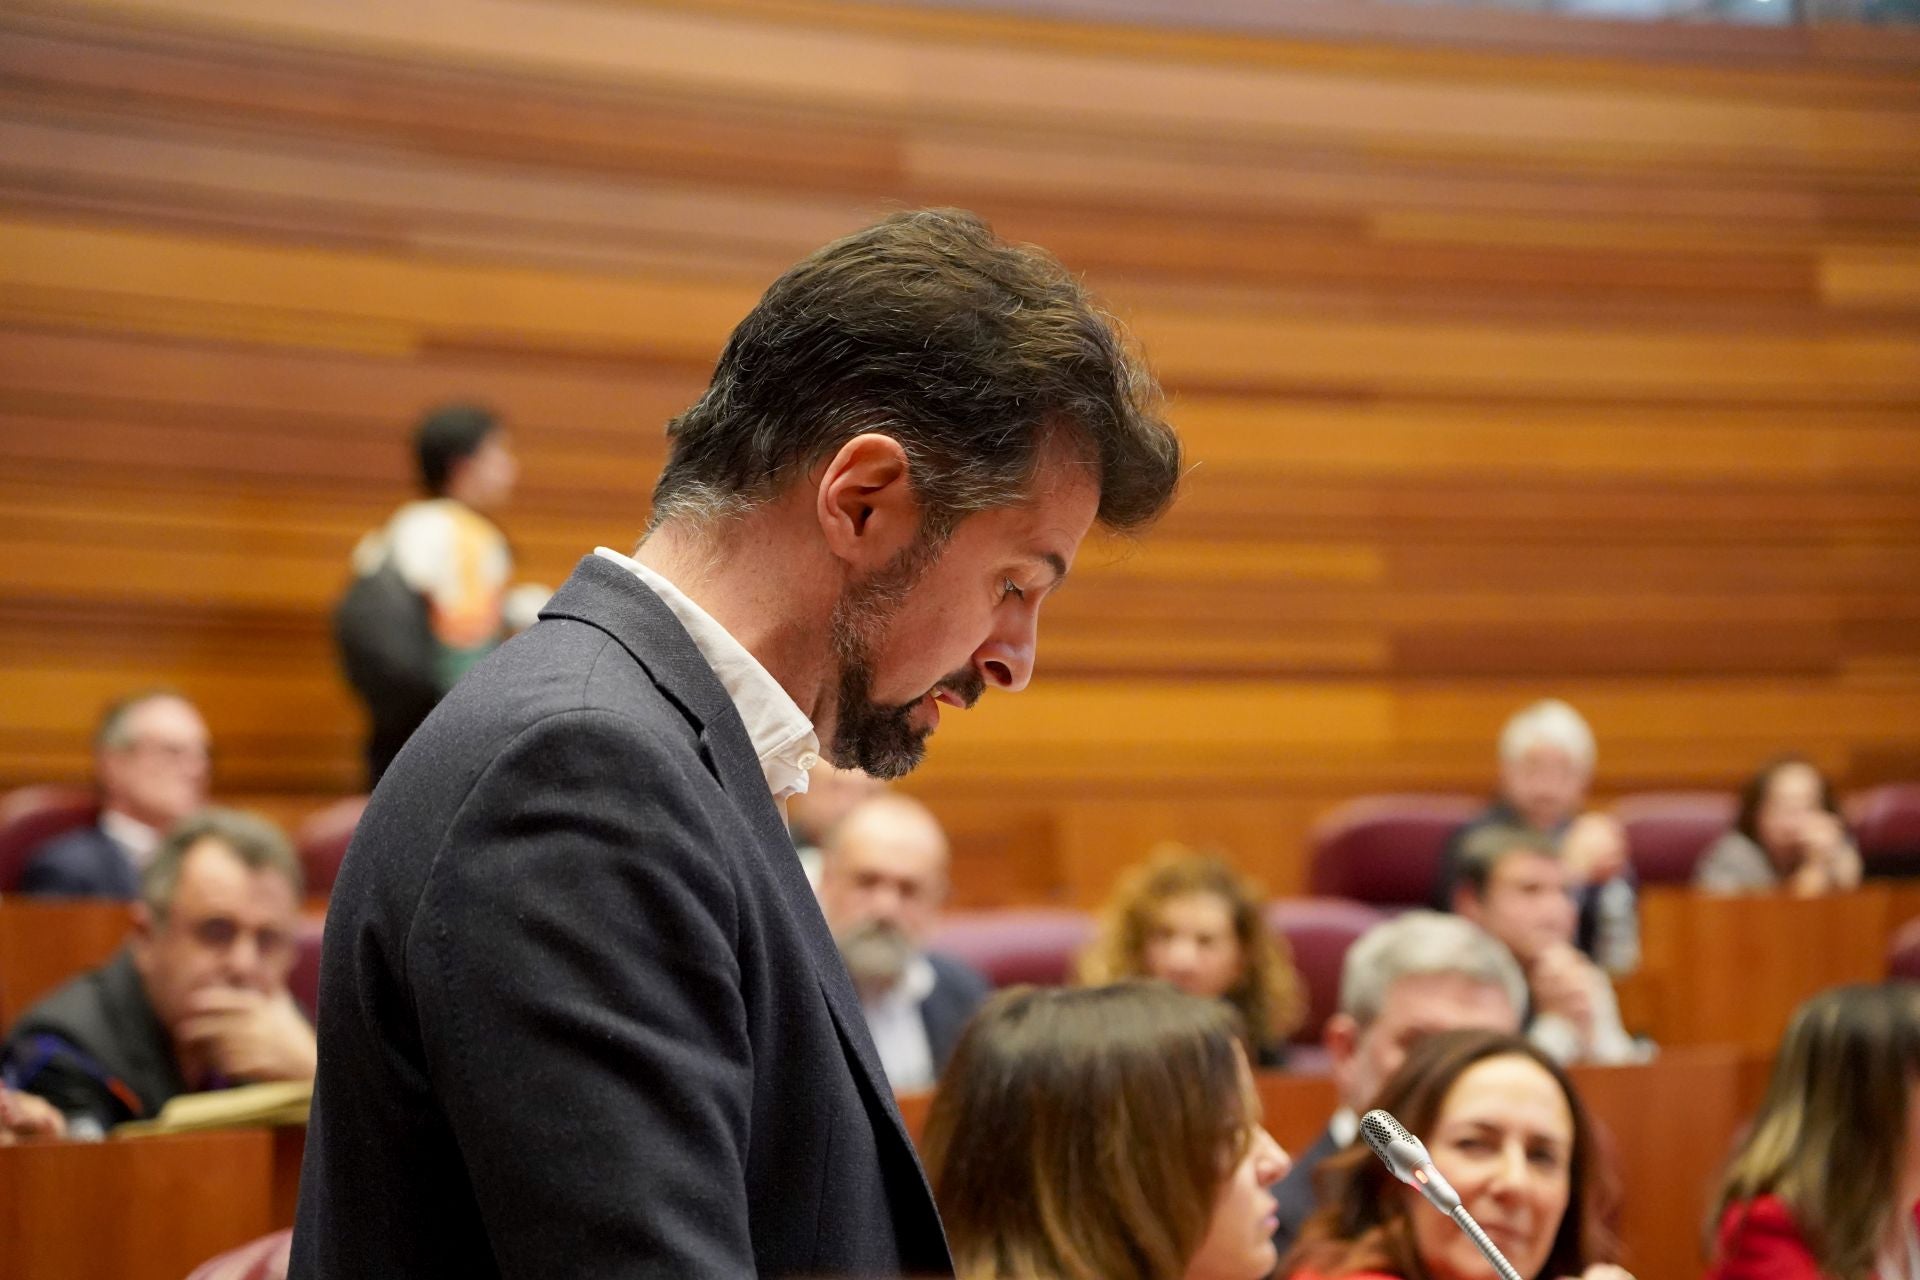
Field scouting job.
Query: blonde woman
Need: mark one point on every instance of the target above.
(1189, 919)
(1826, 1183)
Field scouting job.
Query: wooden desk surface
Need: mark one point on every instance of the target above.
(1731, 970)
(142, 1208)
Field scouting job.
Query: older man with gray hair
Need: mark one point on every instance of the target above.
(883, 880)
(1547, 756)
(196, 1000)
(1410, 977)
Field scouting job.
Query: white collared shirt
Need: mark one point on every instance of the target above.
(899, 1032)
(782, 736)
(1345, 1127)
(139, 840)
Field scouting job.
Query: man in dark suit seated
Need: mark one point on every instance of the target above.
(580, 1014)
(196, 1000)
(883, 878)
(1410, 977)
(151, 766)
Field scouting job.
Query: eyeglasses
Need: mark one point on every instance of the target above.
(178, 754)
(222, 933)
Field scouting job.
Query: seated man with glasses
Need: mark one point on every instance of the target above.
(151, 765)
(198, 997)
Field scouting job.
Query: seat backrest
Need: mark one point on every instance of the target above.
(1903, 953)
(1037, 945)
(1386, 849)
(31, 816)
(266, 1258)
(1319, 931)
(1886, 825)
(1668, 831)
(322, 842)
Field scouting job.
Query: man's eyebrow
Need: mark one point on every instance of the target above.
(1056, 562)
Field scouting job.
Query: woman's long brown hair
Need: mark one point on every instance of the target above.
(1085, 1134)
(1831, 1133)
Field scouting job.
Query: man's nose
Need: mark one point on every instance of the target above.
(1005, 661)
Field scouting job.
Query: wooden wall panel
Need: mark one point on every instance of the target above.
(1514, 356)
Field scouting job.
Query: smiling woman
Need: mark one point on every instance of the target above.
(1507, 1129)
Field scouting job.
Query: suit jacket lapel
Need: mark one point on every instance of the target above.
(604, 595)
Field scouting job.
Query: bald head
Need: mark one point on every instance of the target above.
(886, 860)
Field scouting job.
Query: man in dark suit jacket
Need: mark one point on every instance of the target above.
(580, 1014)
(198, 997)
(883, 880)
(1400, 981)
(151, 753)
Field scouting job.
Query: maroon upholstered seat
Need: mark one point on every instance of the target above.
(31, 816)
(304, 981)
(322, 842)
(1319, 931)
(262, 1259)
(1886, 825)
(1386, 849)
(1903, 954)
(1668, 831)
(1035, 945)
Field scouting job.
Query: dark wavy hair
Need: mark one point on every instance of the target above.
(1753, 794)
(968, 351)
(1364, 1222)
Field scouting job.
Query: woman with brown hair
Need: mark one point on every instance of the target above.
(1825, 1185)
(1787, 834)
(1504, 1125)
(1103, 1134)
(1188, 919)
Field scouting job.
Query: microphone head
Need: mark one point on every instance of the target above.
(1382, 1132)
(1406, 1156)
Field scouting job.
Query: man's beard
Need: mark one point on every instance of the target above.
(877, 739)
(877, 953)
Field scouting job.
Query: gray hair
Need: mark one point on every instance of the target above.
(1420, 943)
(115, 730)
(1552, 723)
(251, 838)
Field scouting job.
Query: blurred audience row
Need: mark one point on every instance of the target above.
(1115, 1132)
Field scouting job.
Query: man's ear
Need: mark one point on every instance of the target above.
(1339, 1036)
(1466, 903)
(140, 941)
(865, 504)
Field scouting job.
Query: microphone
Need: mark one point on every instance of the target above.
(1406, 1157)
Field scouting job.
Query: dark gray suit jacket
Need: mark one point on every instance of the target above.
(958, 989)
(84, 863)
(580, 1015)
(1298, 1196)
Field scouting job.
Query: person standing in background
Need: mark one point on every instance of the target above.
(430, 592)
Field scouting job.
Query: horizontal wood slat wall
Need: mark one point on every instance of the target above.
(1518, 357)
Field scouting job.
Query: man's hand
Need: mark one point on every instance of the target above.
(1594, 848)
(249, 1036)
(1562, 981)
(22, 1115)
(1604, 1271)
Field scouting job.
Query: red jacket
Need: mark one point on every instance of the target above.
(1759, 1240)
